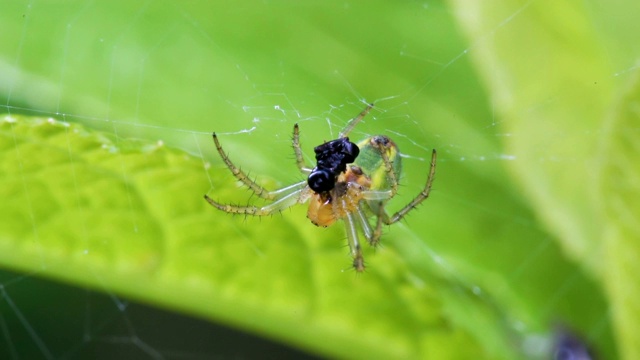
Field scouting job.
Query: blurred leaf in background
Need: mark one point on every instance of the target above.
(528, 104)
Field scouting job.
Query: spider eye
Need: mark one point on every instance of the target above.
(320, 180)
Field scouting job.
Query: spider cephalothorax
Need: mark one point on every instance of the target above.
(349, 182)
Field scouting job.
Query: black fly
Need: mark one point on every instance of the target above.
(332, 158)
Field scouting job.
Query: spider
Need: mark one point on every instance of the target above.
(350, 182)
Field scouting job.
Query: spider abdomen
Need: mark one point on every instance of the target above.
(372, 163)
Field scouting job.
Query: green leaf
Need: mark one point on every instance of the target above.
(620, 196)
(552, 120)
(127, 216)
(551, 82)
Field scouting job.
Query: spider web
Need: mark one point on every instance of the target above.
(131, 94)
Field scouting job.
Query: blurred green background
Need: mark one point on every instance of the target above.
(530, 230)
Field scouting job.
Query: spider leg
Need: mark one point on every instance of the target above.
(423, 195)
(374, 202)
(376, 195)
(364, 223)
(240, 175)
(353, 122)
(380, 217)
(388, 167)
(296, 149)
(296, 197)
(354, 243)
(288, 189)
